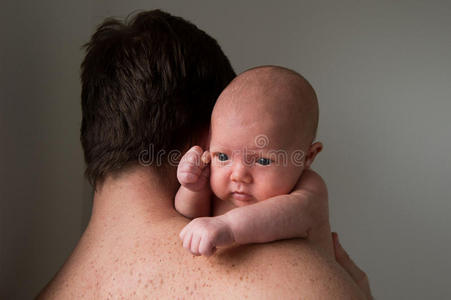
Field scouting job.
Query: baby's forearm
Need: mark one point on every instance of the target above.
(280, 217)
(303, 213)
(193, 204)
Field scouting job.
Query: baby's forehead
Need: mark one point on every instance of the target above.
(276, 103)
(278, 100)
(250, 128)
(266, 87)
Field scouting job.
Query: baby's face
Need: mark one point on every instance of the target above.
(252, 160)
(261, 127)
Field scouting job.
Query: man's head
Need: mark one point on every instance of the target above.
(151, 81)
(262, 130)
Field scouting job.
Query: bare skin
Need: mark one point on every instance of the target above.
(349, 265)
(267, 197)
(131, 250)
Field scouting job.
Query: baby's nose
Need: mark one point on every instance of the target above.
(240, 173)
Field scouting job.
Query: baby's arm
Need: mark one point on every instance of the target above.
(302, 213)
(298, 214)
(194, 195)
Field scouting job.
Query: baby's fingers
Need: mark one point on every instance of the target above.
(195, 244)
(187, 241)
(182, 233)
(206, 247)
(191, 165)
(193, 155)
(187, 177)
(206, 157)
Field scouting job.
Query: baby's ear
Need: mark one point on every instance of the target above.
(313, 150)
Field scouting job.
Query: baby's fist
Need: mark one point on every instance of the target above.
(202, 235)
(193, 171)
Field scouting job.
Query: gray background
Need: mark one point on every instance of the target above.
(382, 71)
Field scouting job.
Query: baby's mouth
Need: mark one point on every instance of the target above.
(241, 196)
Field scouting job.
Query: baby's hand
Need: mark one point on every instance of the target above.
(202, 235)
(193, 171)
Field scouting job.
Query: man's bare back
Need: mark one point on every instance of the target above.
(129, 252)
(157, 267)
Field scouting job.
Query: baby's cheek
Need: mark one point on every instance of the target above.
(217, 183)
(275, 184)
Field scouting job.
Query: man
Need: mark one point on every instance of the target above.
(148, 87)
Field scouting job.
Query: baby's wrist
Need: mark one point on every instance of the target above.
(227, 219)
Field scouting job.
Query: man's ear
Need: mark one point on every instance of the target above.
(313, 150)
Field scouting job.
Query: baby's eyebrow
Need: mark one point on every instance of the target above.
(217, 148)
(215, 153)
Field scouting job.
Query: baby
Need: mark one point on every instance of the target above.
(256, 167)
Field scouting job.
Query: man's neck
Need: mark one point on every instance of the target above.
(137, 195)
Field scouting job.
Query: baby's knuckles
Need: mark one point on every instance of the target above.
(208, 230)
(188, 166)
(187, 177)
(193, 155)
(205, 228)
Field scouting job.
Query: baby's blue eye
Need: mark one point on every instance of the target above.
(264, 161)
(222, 157)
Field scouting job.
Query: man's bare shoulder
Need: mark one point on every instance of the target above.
(161, 268)
(288, 268)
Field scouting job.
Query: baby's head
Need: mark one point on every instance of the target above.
(262, 130)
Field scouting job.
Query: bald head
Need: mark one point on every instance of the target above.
(276, 96)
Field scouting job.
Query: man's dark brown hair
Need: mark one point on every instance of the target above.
(149, 81)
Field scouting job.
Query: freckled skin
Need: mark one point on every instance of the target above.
(134, 230)
(167, 276)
